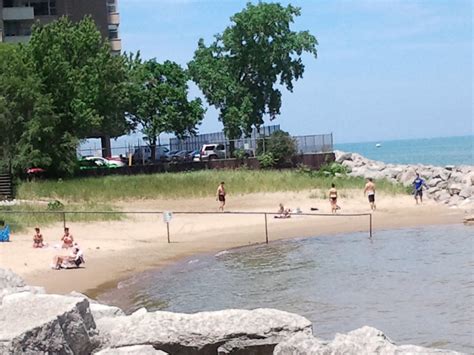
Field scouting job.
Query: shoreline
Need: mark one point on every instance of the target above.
(117, 250)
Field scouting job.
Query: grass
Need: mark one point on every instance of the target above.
(188, 184)
(28, 219)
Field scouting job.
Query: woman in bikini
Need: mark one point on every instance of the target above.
(67, 239)
(333, 198)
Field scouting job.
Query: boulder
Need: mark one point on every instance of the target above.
(454, 189)
(365, 340)
(469, 220)
(50, 324)
(466, 192)
(132, 350)
(441, 173)
(342, 156)
(457, 177)
(206, 332)
(454, 200)
(392, 172)
(349, 165)
(11, 283)
(99, 310)
(433, 182)
(407, 176)
(442, 196)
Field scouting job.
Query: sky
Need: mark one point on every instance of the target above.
(386, 69)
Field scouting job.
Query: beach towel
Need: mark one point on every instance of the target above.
(5, 234)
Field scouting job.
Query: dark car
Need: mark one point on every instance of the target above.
(182, 156)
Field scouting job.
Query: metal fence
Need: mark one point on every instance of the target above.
(63, 215)
(317, 143)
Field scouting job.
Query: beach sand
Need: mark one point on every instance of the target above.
(116, 250)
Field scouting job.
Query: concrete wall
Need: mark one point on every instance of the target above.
(77, 9)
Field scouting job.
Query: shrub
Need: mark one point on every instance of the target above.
(282, 147)
(266, 160)
(331, 169)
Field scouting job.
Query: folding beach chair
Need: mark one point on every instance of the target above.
(5, 234)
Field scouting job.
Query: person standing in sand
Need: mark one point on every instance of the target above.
(333, 198)
(221, 196)
(418, 184)
(370, 191)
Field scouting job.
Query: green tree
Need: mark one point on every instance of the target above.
(159, 100)
(241, 71)
(86, 82)
(26, 118)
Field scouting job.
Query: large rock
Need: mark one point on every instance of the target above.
(407, 177)
(466, 192)
(365, 340)
(99, 310)
(132, 350)
(454, 189)
(11, 283)
(434, 182)
(206, 332)
(342, 156)
(46, 324)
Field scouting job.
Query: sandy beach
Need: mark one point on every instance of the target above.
(116, 250)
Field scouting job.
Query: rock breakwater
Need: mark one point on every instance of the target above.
(451, 185)
(32, 322)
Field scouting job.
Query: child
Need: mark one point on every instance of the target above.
(38, 239)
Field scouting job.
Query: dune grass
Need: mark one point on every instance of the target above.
(188, 184)
(28, 216)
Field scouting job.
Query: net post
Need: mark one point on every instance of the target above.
(370, 226)
(168, 231)
(64, 219)
(266, 229)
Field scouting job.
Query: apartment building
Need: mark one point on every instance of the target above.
(18, 16)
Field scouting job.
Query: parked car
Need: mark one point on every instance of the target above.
(88, 163)
(212, 151)
(180, 156)
(143, 154)
(194, 155)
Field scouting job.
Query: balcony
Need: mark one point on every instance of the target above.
(115, 45)
(114, 18)
(18, 13)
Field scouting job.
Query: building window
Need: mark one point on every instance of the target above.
(41, 7)
(113, 31)
(111, 6)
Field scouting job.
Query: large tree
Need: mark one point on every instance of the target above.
(241, 71)
(86, 82)
(159, 100)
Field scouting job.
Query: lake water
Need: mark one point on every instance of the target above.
(428, 151)
(417, 285)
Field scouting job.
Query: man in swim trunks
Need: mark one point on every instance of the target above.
(418, 184)
(333, 198)
(221, 196)
(370, 191)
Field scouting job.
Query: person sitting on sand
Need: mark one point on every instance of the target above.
(282, 212)
(333, 198)
(67, 239)
(73, 260)
(38, 239)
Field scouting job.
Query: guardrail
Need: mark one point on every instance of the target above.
(264, 214)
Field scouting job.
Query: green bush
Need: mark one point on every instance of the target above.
(266, 160)
(331, 169)
(282, 147)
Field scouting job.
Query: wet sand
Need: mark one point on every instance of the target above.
(116, 250)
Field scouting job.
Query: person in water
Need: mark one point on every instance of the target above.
(38, 239)
(67, 239)
(418, 184)
(333, 198)
(370, 191)
(221, 196)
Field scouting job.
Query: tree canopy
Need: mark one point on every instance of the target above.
(241, 71)
(159, 100)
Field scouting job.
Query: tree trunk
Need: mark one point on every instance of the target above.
(106, 147)
(153, 150)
